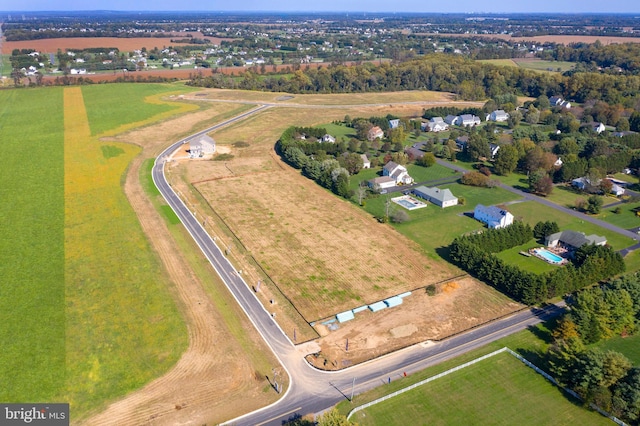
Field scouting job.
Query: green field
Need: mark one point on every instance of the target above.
(629, 346)
(499, 62)
(552, 66)
(86, 312)
(32, 304)
(114, 105)
(500, 390)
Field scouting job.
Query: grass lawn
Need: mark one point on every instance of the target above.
(532, 212)
(500, 390)
(566, 196)
(626, 219)
(339, 131)
(32, 304)
(629, 346)
(433, 228)
(530, 264)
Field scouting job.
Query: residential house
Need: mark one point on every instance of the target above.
(381, 183)
(498, 115)
(468, 120)
(557, 101)
(452, 120)
(375, 133)
(397, 172)
(493, 216)
(598, 127)
(584, 183)
(366, 164)
(328, 139)
(437, 124)
(461, 142)
(201, 145)
(622, 134)
(493, 149)
(393, 124)
(617, 190)
(414, 153)
(573, 239)
(617, 186)
(440, 197)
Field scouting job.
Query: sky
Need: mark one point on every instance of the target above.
(425, 6)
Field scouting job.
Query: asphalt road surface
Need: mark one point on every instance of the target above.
(311, 390)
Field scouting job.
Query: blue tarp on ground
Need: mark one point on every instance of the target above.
(393, 301)
(378, 306)
(345, 316)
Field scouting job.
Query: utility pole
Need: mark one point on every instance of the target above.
(353, 384)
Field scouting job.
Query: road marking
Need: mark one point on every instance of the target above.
(279, 415)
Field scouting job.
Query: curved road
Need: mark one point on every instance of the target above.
(311, 390)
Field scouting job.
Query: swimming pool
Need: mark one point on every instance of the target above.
(408, 202)
(548, 256)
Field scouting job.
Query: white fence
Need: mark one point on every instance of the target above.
(466, 364)
(430, 379)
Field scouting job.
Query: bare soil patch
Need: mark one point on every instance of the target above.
(323, 253)
(457, 306)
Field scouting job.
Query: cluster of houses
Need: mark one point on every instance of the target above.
(585, 184)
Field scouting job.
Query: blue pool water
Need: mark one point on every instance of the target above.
(551, 257)
(406, 203)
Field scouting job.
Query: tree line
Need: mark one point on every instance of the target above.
(475, 254)
(469, 79)
(605, 378)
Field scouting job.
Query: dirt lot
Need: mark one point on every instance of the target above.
(457, 306)
(324, 254)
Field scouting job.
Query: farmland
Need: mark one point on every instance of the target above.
(517, 395)
(123, 44)
(32, 360)
(122, 326)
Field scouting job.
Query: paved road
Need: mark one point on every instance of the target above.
(544, 201)
(311, 390)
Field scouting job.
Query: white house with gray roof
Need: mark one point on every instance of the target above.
(202, 145)
(498, 116)
(440, 197)
(493, 216)
(397, 172)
